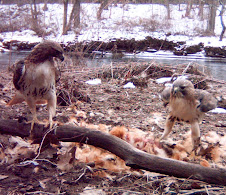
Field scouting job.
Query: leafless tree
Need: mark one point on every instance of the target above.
(65, 2)
(221, 18)
(201, 5)
(168, 8)
(179, 6)
(103, 6)
(45, 8)
(188, 9)
(34, 18)
(212, 16)
(74, 16)
(34, 10)
(77, 5)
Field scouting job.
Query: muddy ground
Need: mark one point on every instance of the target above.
(112, 105)
(119, 46)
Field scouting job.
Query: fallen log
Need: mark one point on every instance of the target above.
(133, 157)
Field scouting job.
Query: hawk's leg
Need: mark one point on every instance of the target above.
(168, 127)
(51, 106)
(195, 135)
(32, 106)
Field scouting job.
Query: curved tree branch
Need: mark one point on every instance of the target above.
(133, 157)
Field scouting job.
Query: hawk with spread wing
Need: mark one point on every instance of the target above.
(186, 104)
(35, 78)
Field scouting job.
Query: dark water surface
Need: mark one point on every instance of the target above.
(216, 66)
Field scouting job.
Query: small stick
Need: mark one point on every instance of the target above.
(185, 70)
(112, 75)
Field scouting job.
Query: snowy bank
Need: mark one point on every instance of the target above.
(119, 22)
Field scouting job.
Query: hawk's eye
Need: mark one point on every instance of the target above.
(182, 87)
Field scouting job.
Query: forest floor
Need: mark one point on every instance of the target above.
(138, 111)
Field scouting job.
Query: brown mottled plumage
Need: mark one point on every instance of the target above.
(35, 78)
(186, 104)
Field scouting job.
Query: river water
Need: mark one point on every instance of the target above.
(216, 66)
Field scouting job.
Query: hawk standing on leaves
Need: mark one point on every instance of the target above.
(186, 104)
(35, 78)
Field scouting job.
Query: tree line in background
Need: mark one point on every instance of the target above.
(213, 4)
(117, 1)
(73, 21)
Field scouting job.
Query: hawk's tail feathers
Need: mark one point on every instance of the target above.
(15, 100)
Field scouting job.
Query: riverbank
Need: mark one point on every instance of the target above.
(120, 47)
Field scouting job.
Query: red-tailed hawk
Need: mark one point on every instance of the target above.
(186, 104)
(35, 78)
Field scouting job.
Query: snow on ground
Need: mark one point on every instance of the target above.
(126, 22)
(219, 110)
(94, 82)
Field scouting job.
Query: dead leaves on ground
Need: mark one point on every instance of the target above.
(211, 154)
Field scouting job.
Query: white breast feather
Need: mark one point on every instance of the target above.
(183, 109)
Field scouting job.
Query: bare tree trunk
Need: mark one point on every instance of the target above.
(168, 8)
(45, 8)
(34, 16)
(77, 13)
(34, 10)
(103, 5)
(222, 21)
(201, 5)
(65, 16)
(212, 16)
(188, 9)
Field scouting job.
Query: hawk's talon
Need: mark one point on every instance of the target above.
(33, 121)
(197, 146)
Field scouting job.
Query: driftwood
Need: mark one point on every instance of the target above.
(133, 157)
